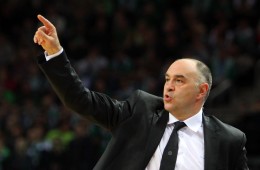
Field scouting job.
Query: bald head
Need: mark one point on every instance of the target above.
(204, 73)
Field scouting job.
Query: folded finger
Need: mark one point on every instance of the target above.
(41, 35)
(35, 40)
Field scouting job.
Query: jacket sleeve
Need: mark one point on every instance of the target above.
(242, 159)
(97, 107)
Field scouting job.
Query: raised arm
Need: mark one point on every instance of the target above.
(47, 37)
(97, 107)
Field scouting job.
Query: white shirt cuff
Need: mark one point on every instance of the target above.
(48, 57)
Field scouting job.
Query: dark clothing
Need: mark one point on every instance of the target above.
(138, 123)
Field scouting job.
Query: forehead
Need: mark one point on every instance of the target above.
(182, 67)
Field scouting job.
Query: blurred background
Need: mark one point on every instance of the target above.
(117, 46)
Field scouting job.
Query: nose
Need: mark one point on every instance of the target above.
(169, 86)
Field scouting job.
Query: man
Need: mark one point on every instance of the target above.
(142, 124)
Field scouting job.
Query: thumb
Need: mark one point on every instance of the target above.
(42, 36)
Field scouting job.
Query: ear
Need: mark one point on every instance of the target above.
(203, 89)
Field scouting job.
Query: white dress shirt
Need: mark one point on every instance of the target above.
(191, 145)
(48, 57)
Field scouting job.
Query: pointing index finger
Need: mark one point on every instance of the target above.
(45, 22)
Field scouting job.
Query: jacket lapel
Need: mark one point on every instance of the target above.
(211, 139)
(159, 123)
(211, 142)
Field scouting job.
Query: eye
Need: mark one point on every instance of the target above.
(167, 79)
(178, 82)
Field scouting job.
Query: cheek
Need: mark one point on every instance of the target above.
(164, 87)
(188, 94)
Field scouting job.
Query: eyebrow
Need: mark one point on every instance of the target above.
(176, 76)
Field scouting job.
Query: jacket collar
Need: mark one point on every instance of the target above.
(159, 122)
(211, 143)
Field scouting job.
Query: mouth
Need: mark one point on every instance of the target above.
(167, 98)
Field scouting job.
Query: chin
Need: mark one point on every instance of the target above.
(167, 107)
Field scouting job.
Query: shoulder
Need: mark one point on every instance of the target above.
(146, 95)
(143, 98)
(225, 129)
(142, 95)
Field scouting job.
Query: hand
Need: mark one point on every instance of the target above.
(47, 37)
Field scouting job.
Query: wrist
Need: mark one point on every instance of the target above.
(52, 51)
(50, 56)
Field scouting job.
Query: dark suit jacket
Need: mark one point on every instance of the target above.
(138, 123)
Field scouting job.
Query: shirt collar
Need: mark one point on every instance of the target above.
(194, 122)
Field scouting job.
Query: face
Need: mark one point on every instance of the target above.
(181, 93)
